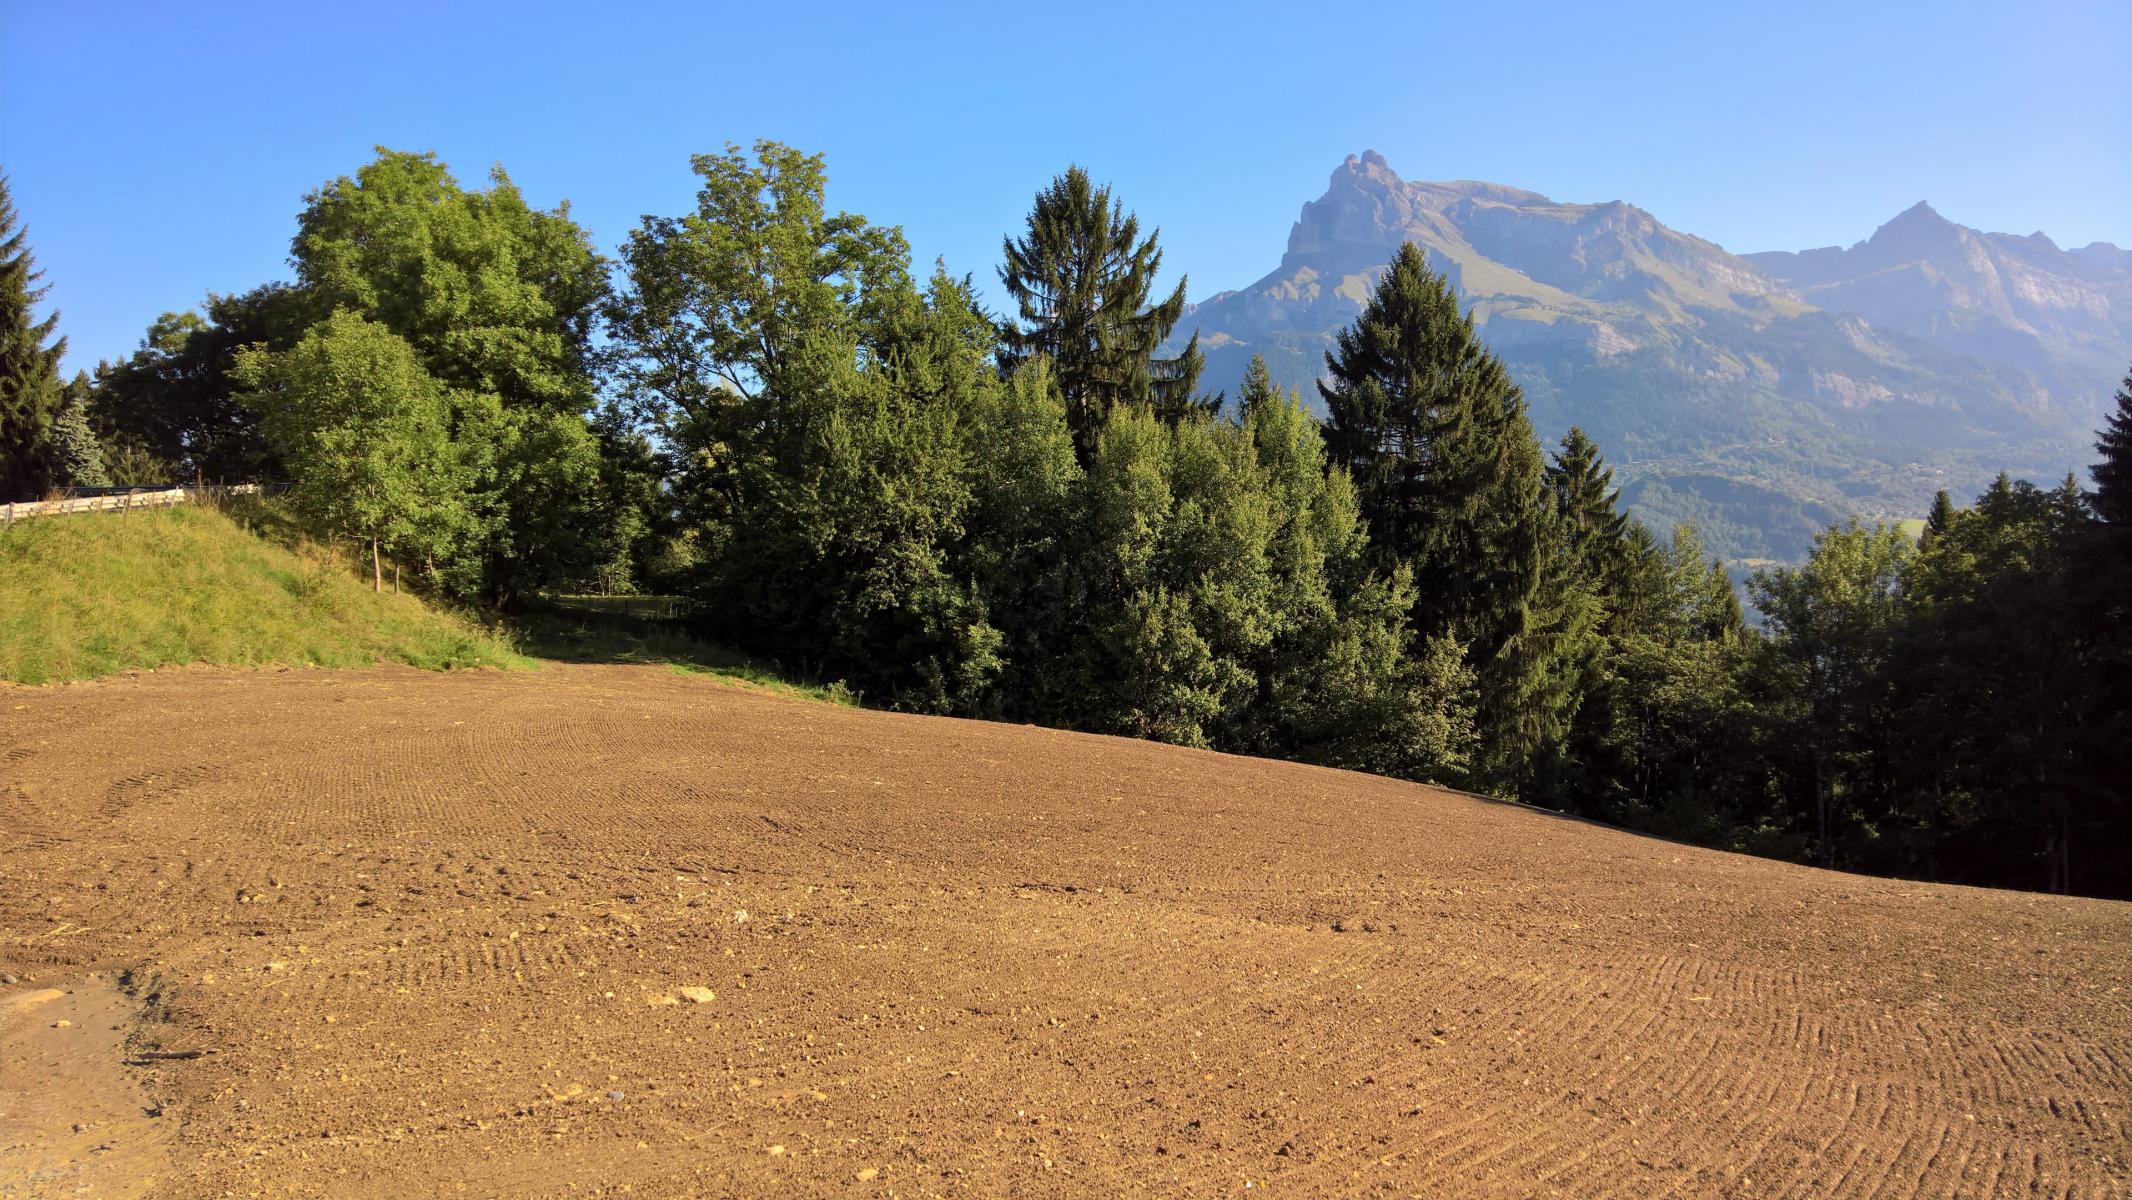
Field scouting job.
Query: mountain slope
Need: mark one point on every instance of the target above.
(1717, 384)
(2063, 316)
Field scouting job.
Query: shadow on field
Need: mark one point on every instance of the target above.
(600, 629)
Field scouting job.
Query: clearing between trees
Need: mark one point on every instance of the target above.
(604, 928)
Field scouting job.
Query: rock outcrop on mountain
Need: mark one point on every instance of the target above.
(1760, 395)
(2063, 316)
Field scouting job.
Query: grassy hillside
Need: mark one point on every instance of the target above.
(87, 595)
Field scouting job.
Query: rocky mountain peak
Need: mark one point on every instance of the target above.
(1914, 230)
(1365, 205)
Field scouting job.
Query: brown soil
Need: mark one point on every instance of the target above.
(435, 934)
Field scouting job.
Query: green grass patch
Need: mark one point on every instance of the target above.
(97, 593)
(654, 607)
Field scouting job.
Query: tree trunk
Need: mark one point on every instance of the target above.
(395, 576)
(1823, 801)
(377, 568)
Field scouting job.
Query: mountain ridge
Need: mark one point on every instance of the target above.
(1722, 390)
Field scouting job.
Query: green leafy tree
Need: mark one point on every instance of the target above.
(1026, 509)
(1449, 475)
(721, 301)
(1082, 278)
(820, 405)
(173, 402)
(1833, 625)
(495, 295)
(498, 301)
(30, 392)
(366, 433)
(840, 555)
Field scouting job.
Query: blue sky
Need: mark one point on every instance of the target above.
(160, 151)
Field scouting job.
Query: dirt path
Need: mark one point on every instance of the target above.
(437, 934)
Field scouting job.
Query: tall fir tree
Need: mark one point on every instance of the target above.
(2112, 498)
(1450, 478)
(1941, 516)
(1081, 278)
(1589, 505)
(76, 455)
(30, 392)
(2104, 615)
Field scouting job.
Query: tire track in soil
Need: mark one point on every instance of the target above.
(430, 926)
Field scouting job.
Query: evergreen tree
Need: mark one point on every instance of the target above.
(1588, 504)
(30, 392)
(1667, 740)
(2112, 497)
(1937, 521)
(77, 457)
(1995, 685)
(2104, 614)
(1081, 279)
(1450, 479)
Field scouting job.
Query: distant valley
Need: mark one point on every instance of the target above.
(1760, 395)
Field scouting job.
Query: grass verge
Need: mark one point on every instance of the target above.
(92, 594)
(96, 593)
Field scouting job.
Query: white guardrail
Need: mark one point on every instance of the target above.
(120, 502)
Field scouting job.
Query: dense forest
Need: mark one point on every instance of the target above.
(859, 473)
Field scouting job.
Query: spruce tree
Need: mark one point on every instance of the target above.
(29, 369)
(1585, 496)
(1938, 520)
(77, 457)
(2112, 498)
(2104, 615)
(1449, 475)
(1081, 279)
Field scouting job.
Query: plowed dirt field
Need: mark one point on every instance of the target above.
(594, 930)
